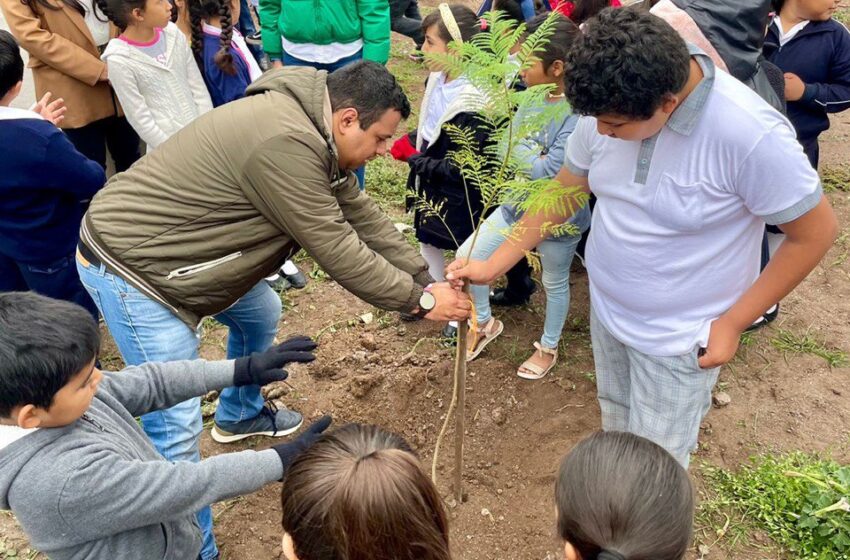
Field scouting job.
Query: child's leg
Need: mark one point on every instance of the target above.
(556, 256)
(613, 385)
(494, 231)
(435, 259)
(669, 398)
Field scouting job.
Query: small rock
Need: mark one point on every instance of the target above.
(374, 359)
(451, 502)
(836, 392)
(722, 399)
(498, 416)
(362, 385)
(367, 341)
(367, 318)
(358, 356)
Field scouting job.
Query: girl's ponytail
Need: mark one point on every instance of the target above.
(223, 58)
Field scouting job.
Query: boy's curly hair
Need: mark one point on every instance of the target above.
(625, 63)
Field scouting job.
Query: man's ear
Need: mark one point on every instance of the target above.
(28, 417)
(670, 103)
(348, 118)
(570, 552)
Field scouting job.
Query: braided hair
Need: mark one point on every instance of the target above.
(118, 11)
(201, 10)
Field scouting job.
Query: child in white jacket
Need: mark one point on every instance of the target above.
(152, 70)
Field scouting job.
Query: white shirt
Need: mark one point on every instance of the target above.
(241, 49)
(785, 37)
(442, 95)
(677, 228)
(99, 29)
(11, 434)
(321, 54)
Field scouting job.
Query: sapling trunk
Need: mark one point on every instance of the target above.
(460, 414)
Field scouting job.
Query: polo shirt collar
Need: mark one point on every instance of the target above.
(686, 116)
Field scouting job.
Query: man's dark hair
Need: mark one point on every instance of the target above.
(619, 492)
(11, 63)
(564, 34)
(43, 344)
(626, 63)
(368, 87)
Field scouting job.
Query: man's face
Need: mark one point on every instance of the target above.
(357, 146)
(636, 130)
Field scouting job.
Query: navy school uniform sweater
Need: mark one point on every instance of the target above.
(820, 55)
(45, 188)
(223, 87)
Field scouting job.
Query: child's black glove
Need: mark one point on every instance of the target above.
(262, 368)
(288, 452)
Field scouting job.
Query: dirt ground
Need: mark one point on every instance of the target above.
(518, 430)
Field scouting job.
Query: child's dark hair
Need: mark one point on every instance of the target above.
(11, 63)
(368, 87)
(359, 493)
(564, 34)
(199, 10)
(586, 9)
(620, 493)
(118, 11)
(626, 62)
(467, 21)
(777, 5)
(512, 10)
(43, 344)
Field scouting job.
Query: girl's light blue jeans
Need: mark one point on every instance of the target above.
(556, 255)
(145, 331)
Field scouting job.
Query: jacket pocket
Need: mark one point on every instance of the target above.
(201, 267)
(678, 205)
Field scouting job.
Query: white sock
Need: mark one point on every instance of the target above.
(289, 268)
(435, 259)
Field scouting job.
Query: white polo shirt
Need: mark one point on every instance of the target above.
(676, 232)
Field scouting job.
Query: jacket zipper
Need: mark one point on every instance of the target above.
(93, 422)
(200, 267)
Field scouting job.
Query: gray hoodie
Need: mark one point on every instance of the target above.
(97, 488)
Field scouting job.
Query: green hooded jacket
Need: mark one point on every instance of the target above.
(322, 22)
(224, 202)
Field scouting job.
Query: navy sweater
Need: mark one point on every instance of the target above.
(223, 87)
(45, 187)
(820, 55)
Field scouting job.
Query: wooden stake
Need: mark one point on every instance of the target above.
(460, 412)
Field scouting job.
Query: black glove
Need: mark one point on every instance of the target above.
(262, 368)
(288, 452)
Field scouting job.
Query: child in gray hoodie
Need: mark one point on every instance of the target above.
(75, 467)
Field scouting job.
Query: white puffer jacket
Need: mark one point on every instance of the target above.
(158, 99)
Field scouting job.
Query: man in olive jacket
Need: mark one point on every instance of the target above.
(193, 228)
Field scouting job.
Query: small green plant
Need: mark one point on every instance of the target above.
(836, 178)
(387, 183)
(799, 500)
(791, 343)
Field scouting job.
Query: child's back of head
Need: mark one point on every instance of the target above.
(11, 66)
(360, 494)
(620, 496)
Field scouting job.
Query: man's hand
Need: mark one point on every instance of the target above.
(262, 368)
(277, 64)
(452, 305)
(52, 111)
(723, 341)
(794, 87)
(463, 270)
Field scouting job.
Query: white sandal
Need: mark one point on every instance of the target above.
(530, 370)
(483, 337)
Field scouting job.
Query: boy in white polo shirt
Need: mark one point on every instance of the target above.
(687, 165)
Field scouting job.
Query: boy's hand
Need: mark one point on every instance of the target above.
(794, 87)
(262, 368)
(452, 305)
(288, 452)
(475, 272)
(723, 341)
(53, 112)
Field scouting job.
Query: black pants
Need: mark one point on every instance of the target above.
(114, 133)
(810, 146)
(56, 278)
(405, 19)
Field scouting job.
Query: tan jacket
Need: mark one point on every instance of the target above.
(64, 60)
(220, 205)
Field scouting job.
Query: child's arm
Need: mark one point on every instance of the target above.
(375, 22)
(54, 50)
(833, 96)
(154, 386)
(135, 106)
(66, 169)
(550, 164)
(778, 184)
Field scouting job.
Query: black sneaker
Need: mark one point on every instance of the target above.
(271, 421)
(255, 38)
(503, 298)
(281, 282)
(769, 317)
(448, 335)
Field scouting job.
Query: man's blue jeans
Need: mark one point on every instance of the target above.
(145, 331)
(289, 60)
